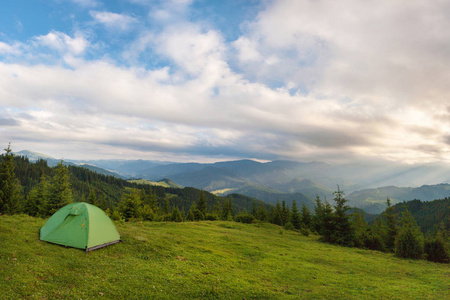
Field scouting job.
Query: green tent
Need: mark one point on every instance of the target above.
(80, 225)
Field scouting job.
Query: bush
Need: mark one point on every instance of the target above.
(244, 218)
(289, 226)
(116, 216)
(305, 231)
(435, 250)
(211, 217)
(373, 242)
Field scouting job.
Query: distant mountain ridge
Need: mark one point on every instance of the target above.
(34, 156)
(366, 186)
(373, 199)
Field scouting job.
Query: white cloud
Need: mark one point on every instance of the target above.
(353, 48)
(63, 43)
(113, 20)
(369, 81)
(9, 49)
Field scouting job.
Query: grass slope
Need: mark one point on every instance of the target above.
(207, 260)
(167, 183)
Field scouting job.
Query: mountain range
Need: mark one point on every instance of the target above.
(366, 185)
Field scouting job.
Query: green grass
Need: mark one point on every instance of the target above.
(207, 260)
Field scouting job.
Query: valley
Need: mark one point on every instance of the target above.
(366, 186)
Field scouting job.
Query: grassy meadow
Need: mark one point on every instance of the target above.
(207, 260)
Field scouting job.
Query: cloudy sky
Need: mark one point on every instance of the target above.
(186, 80)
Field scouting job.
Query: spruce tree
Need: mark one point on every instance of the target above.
(318, 216)
(277, 214)
(360, 229)
(176, 215)
(60, 190)
(306, 218)
(190, 216)
(92, 198)
(37, 198)
(295, 216)
(166, 205)
(130, 205)
(152, 200)
(147, 213)
(261, 213)
(201, 203)
(343, 231)
(227, 209)
(285, 213)
(409, 242)
(391, 227)
(327, 223)
(9, 186)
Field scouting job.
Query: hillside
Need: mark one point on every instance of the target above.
(373, 200)
(207, 260)
(366, 186)
(167, 183)
(109, 189)
(427, 214)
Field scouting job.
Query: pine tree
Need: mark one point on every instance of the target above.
(409, 242)
(152, 200)
(327, 223)
(261, 213)
(60, 190)
(343, 231)
(227, 209)
(36, 202)
(201, 203)
(318, 216)
(306, 218)
(285, 213)
(130, 205)
(190, 216)
(176, 215)
(391, 226)
(92, 198)
(9, 186)
(253, 212)
(277, 214)
(360, 229)
(295, 216)
(147, 213)
(166, 206)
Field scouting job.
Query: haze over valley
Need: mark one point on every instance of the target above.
(366, 186)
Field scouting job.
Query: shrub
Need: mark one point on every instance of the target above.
(289, 226)
(435, 250)
(373, 241)
(116, 216)
(244, 218)
(305, 231)
(211, 217)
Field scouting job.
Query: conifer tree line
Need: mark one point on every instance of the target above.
(43, 190)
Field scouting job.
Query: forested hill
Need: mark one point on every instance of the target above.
(428, 214)
(108, 191)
